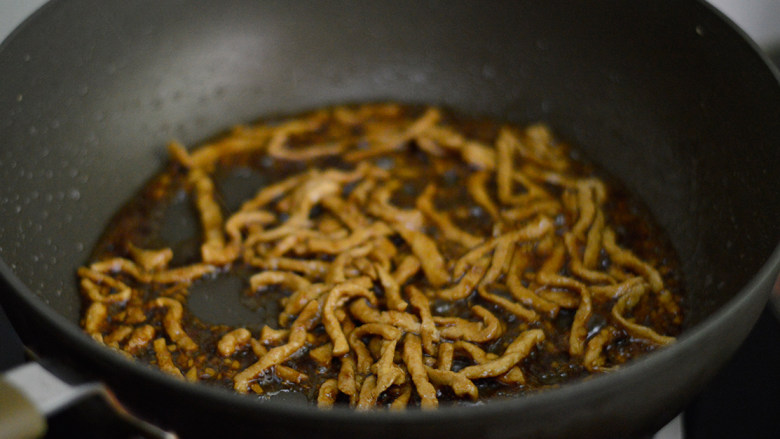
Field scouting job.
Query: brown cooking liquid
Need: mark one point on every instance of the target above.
(163, 215)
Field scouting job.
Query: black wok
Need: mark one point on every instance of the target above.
(665, 95)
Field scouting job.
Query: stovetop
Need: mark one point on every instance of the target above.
(741, 401)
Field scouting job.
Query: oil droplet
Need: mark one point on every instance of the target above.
(488, 71)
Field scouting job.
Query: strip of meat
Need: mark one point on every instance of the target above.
(358, 237)
(408, 267)
(322, 355)
(232, 341)
(185, 274)
(412, 355)
(505, 146)
(627, 259)
(545, 207)
(151, 260)
(593, 358)
(579, 327)
(368, 393)
(388, 373)
(476, 353)
(460, 384)
(442, 221)
(625, 303)
(271, 336)
(279, 354)
(392, 289)
(290, 375)
(608, 292)
(327, 394)
(428, 332)
(242, 140)
(213, 249)
(513, 376)
(397, 140)
(117, 335)
(347, 378)
(179, 154)
(243, 219)
(364, 312)
(455, 328)
(402, 400)
(577, 266)
(514, 353)
(119, 265)
(513, 307)
(272, 192)
(172, 322)
(310, 267)
(533, 230)
(139, 338)
(347, 212)
(519, 291)
(164, 358)
(282, 132)
(337, 271)
(336, 297)
(93, 291)
(477, 188)
(383, 252)
(466, 284)
(593, 240)
(445, 356)
(537, 146)
(478, 155)
(555, 261)
(427, 252)
(299, 299)
(502, 256)
(561, 298)
(379, 206)
(586, 207)
(383, 330)
(284, 278)
(308, 194)
(311, 152)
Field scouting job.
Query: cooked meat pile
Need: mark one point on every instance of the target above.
(412, 257)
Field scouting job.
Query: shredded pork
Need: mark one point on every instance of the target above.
(400, 284)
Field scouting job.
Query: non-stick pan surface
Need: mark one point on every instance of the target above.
(665, 95)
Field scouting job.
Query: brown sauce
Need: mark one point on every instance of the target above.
(398, 145)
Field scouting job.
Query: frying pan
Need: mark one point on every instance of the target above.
(666, 96)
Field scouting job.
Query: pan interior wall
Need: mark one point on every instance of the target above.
(87, 110)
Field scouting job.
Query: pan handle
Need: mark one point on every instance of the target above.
(19, 418)
(29, 393)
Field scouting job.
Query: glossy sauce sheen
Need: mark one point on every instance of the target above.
(162, 215)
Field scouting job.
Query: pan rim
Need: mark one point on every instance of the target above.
(773, 68)
(767, 273)
(592, 385)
